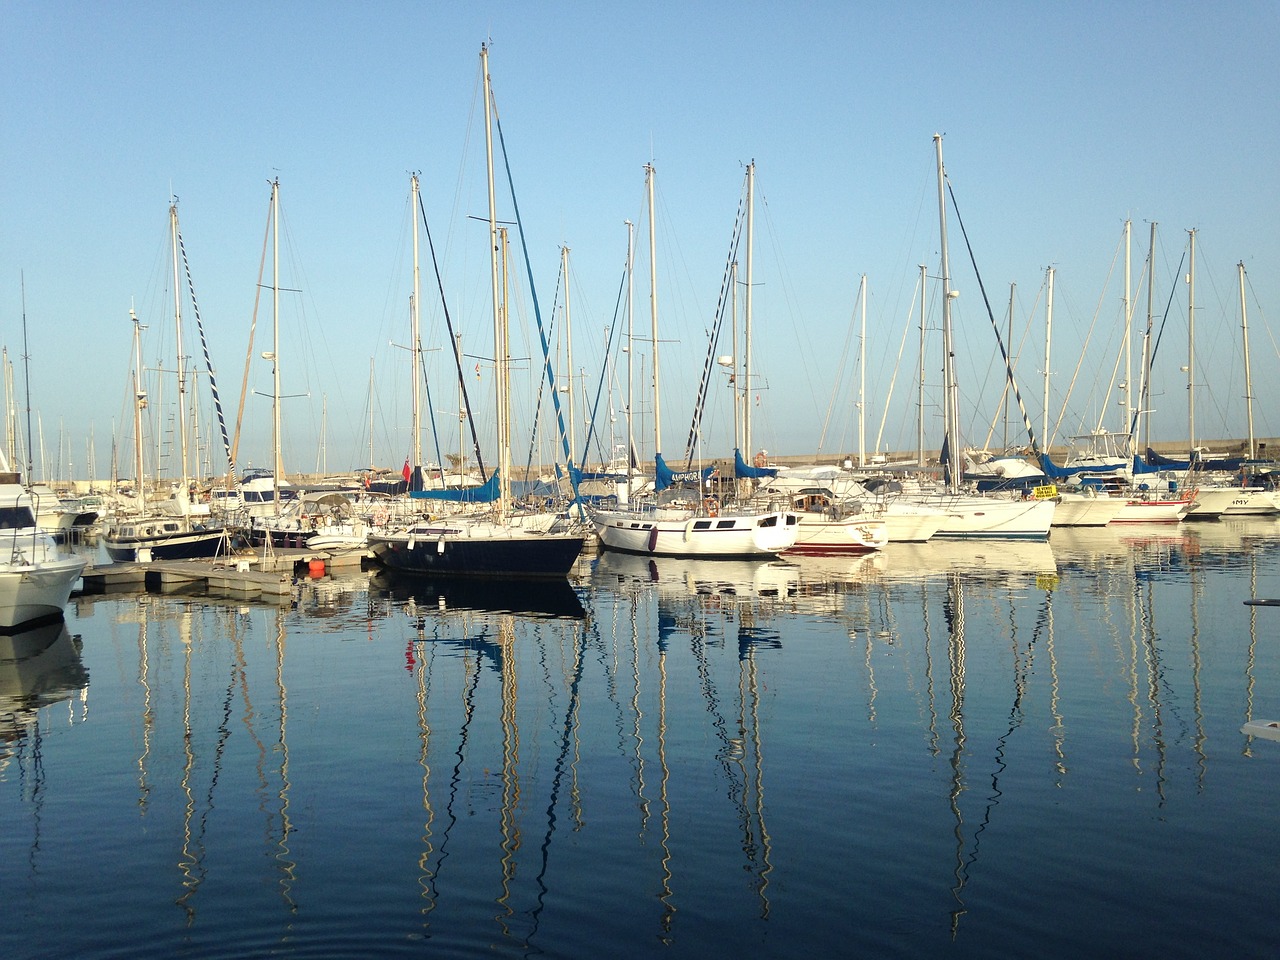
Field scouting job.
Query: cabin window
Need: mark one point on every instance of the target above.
(724, 525)
(770, 521)
(702, 525)
(15, 518)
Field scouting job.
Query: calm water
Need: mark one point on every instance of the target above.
(948, 750)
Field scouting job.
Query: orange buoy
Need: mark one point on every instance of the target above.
(315, 568)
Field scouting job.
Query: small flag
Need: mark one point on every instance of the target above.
(477, 371)
(406, 472)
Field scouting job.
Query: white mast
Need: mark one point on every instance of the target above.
(653, 313)
(862, 375)
(631, 339)
(1191, 347)
(278, 468)
(500, 367)
(139, 402)
(1248, 377)
(924, 281)
(1128, 329)
(568, 341)
(1144, 401)
(415, 344)
(747, 311)
(950, 393)
(182, 380)
(1048, 340)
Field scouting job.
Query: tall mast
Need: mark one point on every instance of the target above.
(498, 355)
(568, 341)
(950, 415)
(747, 313)
(631, 339)
(278, 468)
(924, 281)
(1048, 341)
(862, 376)
(415, 344)
(653, 312)
(738, 392)
(182, 378)
(1128, 327)
(1005, 442)
(371, 415)
(139, 402)
(1248, 377)
(1144, 404)
(1191, 345)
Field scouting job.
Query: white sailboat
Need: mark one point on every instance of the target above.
(967, 515)
(686, 523)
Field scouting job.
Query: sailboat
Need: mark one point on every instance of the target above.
(469, 545)
(172, 534)
(686, 523)
(971, 516)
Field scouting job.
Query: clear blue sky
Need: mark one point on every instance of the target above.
(1061, 121)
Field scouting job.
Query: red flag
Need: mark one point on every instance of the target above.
(406, 472)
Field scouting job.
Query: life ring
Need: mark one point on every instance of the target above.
(380, 517)
(712, 506)
(759, 459)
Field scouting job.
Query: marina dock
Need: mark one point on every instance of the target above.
(270, 577)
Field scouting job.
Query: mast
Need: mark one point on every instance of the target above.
(182, 377)
(746, 321)
(1128, 327)
(415, 344)
(1248, 377)
(862, 375)
(568, 340)
(1191, 347)
(1048, 340)
(278, 469)
(1005, 442)
(504, 481)
(139, 402)
(950, 415)
(1144, 405)
(738, 394)
(924, 280)
(653, 313)
(631, 340)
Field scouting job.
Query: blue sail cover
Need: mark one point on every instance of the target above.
(577, 476)
(485, 493)
(1055, 472)
(1215, 463)
(744, 472)
(1140, 466)
(666, 477)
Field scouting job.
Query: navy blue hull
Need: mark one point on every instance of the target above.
(186, 546)
(551, 556)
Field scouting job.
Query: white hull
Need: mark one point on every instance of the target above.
(683, 534)
(1081, 510)
(990, 517)
(31, 591)
(858, 534)
(1153, 511)
(1233, 502)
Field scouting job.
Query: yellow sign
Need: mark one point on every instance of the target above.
(1047, 492)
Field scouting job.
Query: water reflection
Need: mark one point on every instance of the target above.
(700, 754)
(39, 666)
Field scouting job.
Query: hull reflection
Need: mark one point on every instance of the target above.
(552, 598)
